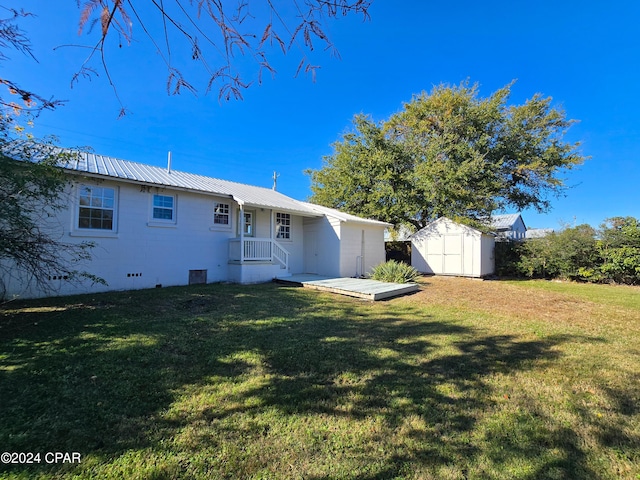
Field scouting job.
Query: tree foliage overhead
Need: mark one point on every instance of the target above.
(19, 99)
(214, 33)
(449, 153)
(231, 40)
(32, 186)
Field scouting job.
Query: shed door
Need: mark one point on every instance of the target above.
(452, 254)
(435, 259)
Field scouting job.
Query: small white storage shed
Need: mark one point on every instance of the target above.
(445, 247)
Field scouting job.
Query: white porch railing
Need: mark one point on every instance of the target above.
(280, 254)
(258, 249)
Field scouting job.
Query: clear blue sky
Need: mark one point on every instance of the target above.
(584, 54)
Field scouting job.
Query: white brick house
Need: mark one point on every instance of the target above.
(156, 227)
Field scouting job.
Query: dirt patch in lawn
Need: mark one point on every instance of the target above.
(521, 302)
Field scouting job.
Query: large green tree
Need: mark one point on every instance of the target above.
(450, 153)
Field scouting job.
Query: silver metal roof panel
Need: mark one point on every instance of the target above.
(93, 164)
(342, 216)
(505, 220)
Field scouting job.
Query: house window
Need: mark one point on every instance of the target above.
(248, 224)
(283, 226)
(96, 208)
(164, 207)
(221, 213)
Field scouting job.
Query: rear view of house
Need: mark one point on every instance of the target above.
(154, 227)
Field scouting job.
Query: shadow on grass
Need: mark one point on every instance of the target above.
(98, 375)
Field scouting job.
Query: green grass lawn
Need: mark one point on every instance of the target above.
(465, 379)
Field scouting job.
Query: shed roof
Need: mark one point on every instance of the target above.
(432, 227)
(100, 165)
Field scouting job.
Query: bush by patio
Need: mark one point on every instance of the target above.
(395, 272)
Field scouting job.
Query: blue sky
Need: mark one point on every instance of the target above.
(584, 54)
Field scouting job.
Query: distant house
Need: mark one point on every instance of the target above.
(538, 232)
(155, 227)
(509, 226)
(445, 247)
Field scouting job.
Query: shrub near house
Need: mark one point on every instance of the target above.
(619, 247)
(395, 272)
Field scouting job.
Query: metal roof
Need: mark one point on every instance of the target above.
(342, 216)
(505, 221)
(538, 232)
(430, 227)
(99, 165)
(103, 166)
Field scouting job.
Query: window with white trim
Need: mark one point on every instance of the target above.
(96, 208)
(221, 214)
(248, 224)
(283, 226)
(164, 208)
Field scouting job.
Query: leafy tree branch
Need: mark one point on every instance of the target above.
(215, 32)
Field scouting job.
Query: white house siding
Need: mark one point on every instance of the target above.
(350, 249)
(262, 219)
(163, 255)
(141, 252)
(447, 248)
(375, 252)
(321, 252)
(141, 255)
(362, 248)
(332, 247)
(296, 245)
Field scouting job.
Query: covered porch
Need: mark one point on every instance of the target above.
(251, 249)
(268, 244)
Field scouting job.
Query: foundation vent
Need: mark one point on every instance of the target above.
(197, 277)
